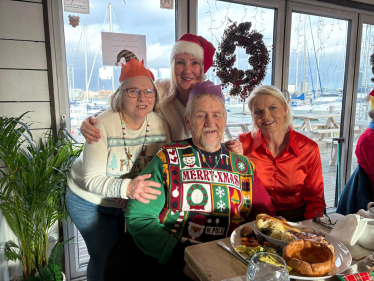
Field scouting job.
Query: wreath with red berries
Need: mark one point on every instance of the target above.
(242, 82)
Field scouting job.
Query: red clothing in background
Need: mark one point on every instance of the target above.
(365, 153)
(293, 179)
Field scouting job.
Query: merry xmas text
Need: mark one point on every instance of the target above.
(204, 175)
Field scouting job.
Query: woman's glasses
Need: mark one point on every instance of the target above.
(324, 220)
(135, 92)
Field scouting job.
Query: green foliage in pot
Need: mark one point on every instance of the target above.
(32, 188)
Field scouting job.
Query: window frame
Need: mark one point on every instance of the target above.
(364, 18)
(59, 72)
(186, 21)
(328, 10)
(279, 21)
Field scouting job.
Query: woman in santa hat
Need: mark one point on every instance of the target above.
(106, 175)
(191, 57)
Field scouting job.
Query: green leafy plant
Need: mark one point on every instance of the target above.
(32, 187)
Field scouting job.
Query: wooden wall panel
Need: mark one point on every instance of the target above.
(23, 85)
(40, 115)
(27, 25)
(22, 55)
(33, 1)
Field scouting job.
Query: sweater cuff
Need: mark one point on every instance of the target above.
(124, 186)
(169, 248)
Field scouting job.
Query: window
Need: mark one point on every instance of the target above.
(365, 86)
(213, 18)
(315, 82)
(90, 82)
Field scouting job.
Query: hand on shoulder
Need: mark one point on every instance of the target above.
(235, 146)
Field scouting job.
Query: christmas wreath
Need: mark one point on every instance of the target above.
(190, 201)
(242, 82)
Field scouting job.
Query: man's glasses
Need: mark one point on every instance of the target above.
(135, 93)
(324, 220)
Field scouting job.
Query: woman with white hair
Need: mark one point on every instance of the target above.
(107, 175)
(191, 57)
(287, 162)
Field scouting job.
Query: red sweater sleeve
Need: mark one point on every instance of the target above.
(261, 202)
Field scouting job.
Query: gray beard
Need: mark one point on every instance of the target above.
(201, 143)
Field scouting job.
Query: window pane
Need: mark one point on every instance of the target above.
(365, 86)
(316, 81)
(213, 18)
(130, 17)
(90, 84)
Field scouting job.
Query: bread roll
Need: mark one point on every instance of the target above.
(276, 226)
(309, 258)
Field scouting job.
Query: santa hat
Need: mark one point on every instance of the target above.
(198, 221)
(133, 66)
(206, 87)
(197, 46)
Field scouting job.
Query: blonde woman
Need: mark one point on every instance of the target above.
(287, 162)
(191, 57)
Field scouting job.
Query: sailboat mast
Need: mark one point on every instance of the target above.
(297, 55)
(85, 58)
(317, 76)
(111, 30)
(304, 69)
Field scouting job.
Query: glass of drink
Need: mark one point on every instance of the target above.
(267, 267)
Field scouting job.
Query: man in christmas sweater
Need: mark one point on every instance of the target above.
(207, 191)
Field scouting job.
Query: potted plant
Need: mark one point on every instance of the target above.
(32, 188)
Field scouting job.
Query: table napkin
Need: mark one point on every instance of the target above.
(348, 229)
(365, 214)
(365, 276)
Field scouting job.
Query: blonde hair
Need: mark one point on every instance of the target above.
(173, 89)
(116, 103)
(276, 93)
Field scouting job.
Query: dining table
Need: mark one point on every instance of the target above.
(211, 262)
(308, 126)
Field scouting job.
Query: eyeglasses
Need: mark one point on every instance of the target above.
(135, 92)
(324, 220)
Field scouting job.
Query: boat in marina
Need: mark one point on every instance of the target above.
(322, 104)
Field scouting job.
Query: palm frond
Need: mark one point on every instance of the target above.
(32, 188)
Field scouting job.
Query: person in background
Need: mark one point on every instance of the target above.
(364, 151)
(108, 171)
(191, 57)
(206, 193)
(287, 162)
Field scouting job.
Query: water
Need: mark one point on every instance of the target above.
(266, 272)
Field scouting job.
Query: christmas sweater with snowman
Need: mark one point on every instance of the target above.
(204, 197)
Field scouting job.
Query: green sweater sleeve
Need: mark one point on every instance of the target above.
(143, 223)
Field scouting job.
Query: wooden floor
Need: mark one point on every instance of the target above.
(329, 176)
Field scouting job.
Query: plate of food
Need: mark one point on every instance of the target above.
(310, 254)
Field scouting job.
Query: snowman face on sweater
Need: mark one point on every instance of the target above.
(189, 161)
